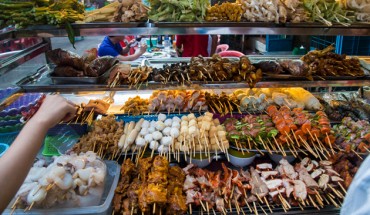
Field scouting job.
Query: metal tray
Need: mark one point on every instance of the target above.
(80, 80)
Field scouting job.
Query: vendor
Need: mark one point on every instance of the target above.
(111, 47)
(195, 45)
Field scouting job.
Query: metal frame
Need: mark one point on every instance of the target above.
(224, 28)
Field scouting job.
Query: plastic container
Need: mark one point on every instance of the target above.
(103, 208)
(9, 137)
(23, 103)
(276, 43)
(127, 118)
(3, 148)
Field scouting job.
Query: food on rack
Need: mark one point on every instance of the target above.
(130, 11)
(257, 100)
(222, 69)
(248, 131)
(104, 14)
(347, 165)
(353, 135)
(326, 63)
(260, 11)
(296, 68)
(222, 103)
(177, 100)
(178, 11)
(306, 184)
(176, 72)
(201, 134)
(361, 8)
(98, 106)
(153, 186)
(124, 74)
(71, 65)
(227, 11)
(76, 179)
(103, 139)
(353, 107)
(328, 12)
(274, 11)
(136, 106)
(23, 14)
(271, 67)
(90, 55)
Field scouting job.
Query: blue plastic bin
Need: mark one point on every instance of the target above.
(343, 44)
(275, 43)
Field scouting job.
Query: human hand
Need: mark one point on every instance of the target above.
(53, 110)
(133, 41)
(142, 49)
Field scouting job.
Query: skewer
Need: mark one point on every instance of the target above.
(332, 201)
(237, 207)
(264, 145)
(262, 209)
(341, 186)
(30, 207)
(214, 212)
(16, 202)
(255, 208)
(267, 203)
(154, 208)
(207, 208)
(204, 208)
(313, 203)
(357, 154)
(299, 204)
(322, 145)
(249, 207)
(190, 209)
(283, 203)
(278, 145)
(336, 191)
(331, 147)
(258, 149)
(272, 145)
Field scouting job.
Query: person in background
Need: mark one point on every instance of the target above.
(357, 199)
(124, 43)
(17, 161)
(195, 45)
(111, 47)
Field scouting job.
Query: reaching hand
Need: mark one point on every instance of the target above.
(55, 109)
(133, 41)
(143, 49)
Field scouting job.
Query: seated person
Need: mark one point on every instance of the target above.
(111, 47)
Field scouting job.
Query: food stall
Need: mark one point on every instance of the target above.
(249, 135)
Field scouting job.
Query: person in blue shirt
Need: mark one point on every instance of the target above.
(111, 47)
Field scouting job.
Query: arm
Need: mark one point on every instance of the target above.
(133, 57)
(179, 43)
(17, 161)
(214, 44)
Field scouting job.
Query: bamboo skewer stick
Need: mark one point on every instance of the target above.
(267, 203)
(357, 154)
(255, 208)
(341, 186)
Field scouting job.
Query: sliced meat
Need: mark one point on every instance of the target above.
(306, 161)
(332, 172)
(203, 182)
(189, 182)
(315, 163)
(288, 170)
(258, 186)
(220, 204)
(276, 192)
(264, 166)
(289, 188)
(187, 168)
(323, 181)
(300, 190)
(310, 167)
(267, 174)
(317, 173)
(307, 179)
(274, 184)
(246, 175)
(336, 178)
(326, 163)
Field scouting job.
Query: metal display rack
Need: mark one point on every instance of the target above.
(39, 83)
